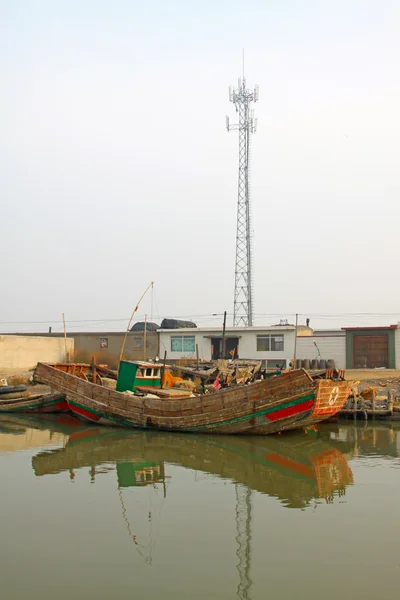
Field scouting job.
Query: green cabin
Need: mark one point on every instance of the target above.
(132, 474)
(134, 374)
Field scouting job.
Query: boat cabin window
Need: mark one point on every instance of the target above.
(149, 372)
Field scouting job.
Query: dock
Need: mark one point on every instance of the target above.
(369, 404)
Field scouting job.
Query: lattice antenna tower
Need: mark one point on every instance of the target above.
(242, 98)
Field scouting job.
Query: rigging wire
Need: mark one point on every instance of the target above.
(206, 318)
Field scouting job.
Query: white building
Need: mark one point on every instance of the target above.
(274, 345)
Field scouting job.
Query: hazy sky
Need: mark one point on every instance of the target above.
(116, 168)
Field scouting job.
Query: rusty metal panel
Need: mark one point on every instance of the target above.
(371, 351)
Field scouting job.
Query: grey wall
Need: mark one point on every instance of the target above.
(106, 347)
(332, 346)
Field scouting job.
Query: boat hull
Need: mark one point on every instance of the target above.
(288, 415)
(264, 407)
(49, 403)
(279, 403)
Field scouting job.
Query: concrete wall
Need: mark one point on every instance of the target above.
(106, 346)
(330, 346)
(247, 342)
(19, 352)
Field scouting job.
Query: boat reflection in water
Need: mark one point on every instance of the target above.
(295, 468)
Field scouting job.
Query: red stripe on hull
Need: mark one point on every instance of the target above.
(84, 414)
(291, 411)
(61, 406)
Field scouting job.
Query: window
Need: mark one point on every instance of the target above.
(277, 343)
(137, 342)
(263, 343)
(270, 343)
(182, 343)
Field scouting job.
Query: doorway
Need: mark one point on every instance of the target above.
(231, 348)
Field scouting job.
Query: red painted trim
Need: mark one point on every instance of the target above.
(369, 328)
(291, 411)
(59, 406)
(287, 463)
(84, 413)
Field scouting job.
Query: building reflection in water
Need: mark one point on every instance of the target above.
(367, 439)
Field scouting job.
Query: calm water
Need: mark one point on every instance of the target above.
(90, 513)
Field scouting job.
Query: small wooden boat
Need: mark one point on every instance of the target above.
(36, 403)
(277, 403)
(12, 389)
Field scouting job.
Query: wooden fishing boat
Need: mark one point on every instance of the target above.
(285, 401)
(36, 403)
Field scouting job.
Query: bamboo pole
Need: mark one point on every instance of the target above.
(355, 401)
(295, 342)
(163, 367)
(223, 338)
(390, 402)
(130, 321)
(65, 339)
(93, 369)
(145, 338)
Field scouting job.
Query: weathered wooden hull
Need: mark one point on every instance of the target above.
(261, 408)
(287, 416)
(265, 407)
(49, 403)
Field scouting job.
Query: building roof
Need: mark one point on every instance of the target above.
(231, 330)
(329, 333)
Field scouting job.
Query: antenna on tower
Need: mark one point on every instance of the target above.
(243, 296)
